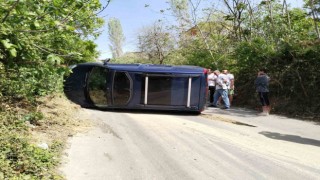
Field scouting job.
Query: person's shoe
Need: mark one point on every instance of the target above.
(225, 108)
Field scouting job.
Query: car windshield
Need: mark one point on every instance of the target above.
(97, 84)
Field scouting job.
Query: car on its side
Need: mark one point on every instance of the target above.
(137, 86)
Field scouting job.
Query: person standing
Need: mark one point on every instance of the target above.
(222, 82)
(212, 85)
(262, 88)
(230, 86)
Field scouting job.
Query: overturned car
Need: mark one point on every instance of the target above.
(137, 86)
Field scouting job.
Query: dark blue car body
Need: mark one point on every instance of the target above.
(137, 86)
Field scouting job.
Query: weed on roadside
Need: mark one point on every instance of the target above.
(32, 138)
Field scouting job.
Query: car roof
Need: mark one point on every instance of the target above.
(152, 68)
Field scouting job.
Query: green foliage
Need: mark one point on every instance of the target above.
(39, 39)
(176, 58)
(299, 75)
(21, 82)
(293, 67)
(252, 55)
(271, 36)
(128, 60)
(302, 27)
(11, 48)
(34, 117)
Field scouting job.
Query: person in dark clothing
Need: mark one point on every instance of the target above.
(262, 88)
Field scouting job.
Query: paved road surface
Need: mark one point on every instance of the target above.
(218, 144)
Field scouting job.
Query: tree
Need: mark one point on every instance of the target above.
(155, 42)
(39, 39)
(116, 37)
(236, 9)
(205, 42)
(180, 10)
(248, 34)
(314, 6)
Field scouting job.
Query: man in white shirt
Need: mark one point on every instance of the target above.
(212, 85)
(231, 85)
(222, 83)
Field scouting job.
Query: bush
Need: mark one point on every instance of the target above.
(294, 69)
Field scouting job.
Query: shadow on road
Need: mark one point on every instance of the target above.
(291, 138)
(148, 111)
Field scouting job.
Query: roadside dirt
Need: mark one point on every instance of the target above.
(62, 119)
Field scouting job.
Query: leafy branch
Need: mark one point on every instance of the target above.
(8, 13)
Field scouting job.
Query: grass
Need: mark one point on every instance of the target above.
(24, 126)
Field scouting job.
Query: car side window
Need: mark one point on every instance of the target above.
(121, 88)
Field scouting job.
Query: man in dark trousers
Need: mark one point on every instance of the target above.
(212, 85)
(262, 88)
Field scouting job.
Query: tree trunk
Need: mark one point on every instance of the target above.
(314, 18)
(285, 6)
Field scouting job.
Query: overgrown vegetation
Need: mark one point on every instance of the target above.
(33, 136)
(19, 158)
(243, 36)
(38, 40)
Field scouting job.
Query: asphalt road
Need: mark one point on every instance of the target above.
(218, 144)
